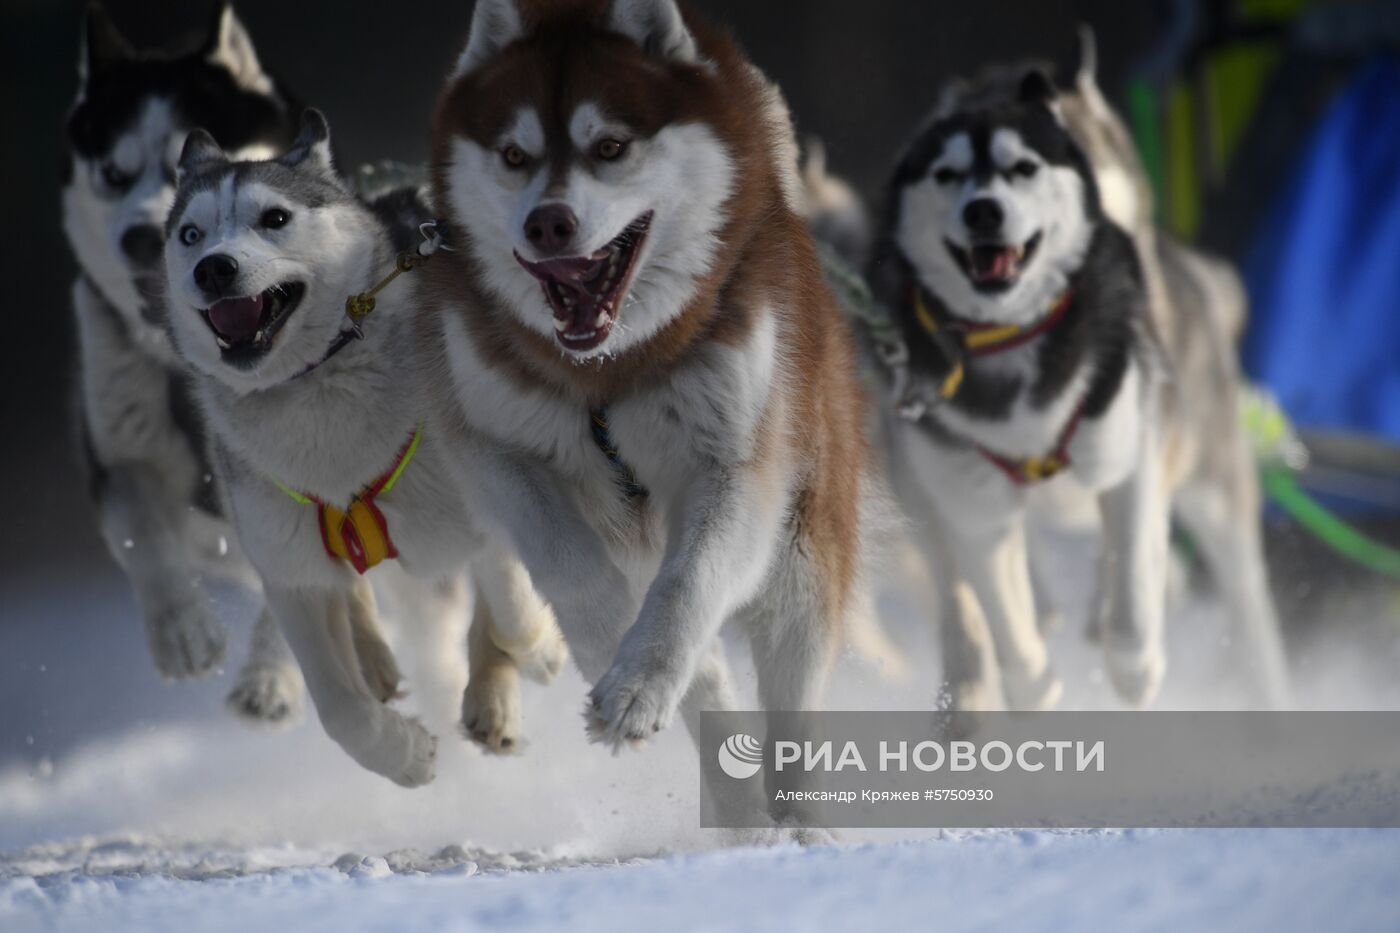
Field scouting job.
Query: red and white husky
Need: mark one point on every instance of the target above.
(650, 386)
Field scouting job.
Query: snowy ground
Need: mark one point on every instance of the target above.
(126, 804)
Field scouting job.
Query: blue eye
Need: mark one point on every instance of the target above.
(190, 234)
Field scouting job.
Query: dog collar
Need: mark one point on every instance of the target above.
(359, 533)
(972, 338)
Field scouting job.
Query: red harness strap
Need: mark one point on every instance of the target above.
(1034, 469)
(978, 339)
(359, 533)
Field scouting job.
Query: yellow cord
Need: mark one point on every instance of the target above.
(358, 307)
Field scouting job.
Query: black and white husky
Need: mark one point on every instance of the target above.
(1033, 353)
(158, 509)
(320, 439)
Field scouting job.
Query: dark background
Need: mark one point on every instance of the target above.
(858, 75)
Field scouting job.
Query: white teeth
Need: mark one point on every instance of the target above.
(258, 337)
(601, 319)
(560, 326)
(223, 344)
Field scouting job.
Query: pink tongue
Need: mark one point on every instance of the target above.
(237, 319)
(999, 266)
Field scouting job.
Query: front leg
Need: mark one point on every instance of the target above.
(144, 531)
(991, 554)
(491, 702)
(521, 625)
(974, 538)
(143, 476)
(318, 628)
(268, 690)
(1134, 574)
(971, 676)
(722, 534)
(567, 560)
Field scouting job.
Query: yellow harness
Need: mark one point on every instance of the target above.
(984, 340)
(359, 533)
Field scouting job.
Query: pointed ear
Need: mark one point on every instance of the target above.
(1037, 88)
(312, 147)
(1088, 73)
(495, 25)
(229, 46)
(656, 26)
(200, 152)
(950, 98)
(102, 45)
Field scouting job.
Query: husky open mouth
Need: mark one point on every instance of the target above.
(245, 327)
(586, 292)
(994, 267)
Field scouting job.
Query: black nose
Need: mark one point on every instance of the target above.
(142, 244)
(551, 228)
(214, 274)
(983, 217)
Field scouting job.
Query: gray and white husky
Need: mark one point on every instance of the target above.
(159, 511)
(1198, 306)
(320, 440)
(1037, 351)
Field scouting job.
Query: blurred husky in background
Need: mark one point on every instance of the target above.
(159, 510)
(1191, 309)
(1199, 308)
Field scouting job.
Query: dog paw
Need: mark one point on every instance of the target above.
(543, 660)
(186, 640)
(267, 695)
(631, 704)
(1136, 673)
(491, 716)
(420, 760)
(1032, 694)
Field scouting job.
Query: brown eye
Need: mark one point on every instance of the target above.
(514, 156)
(947, 176)
(1025, 168)
(610, 149)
